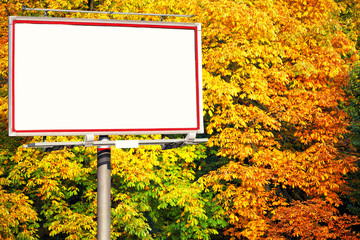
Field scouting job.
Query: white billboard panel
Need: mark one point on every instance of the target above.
(83, 76)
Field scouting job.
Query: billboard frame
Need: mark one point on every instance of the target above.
(13, 20)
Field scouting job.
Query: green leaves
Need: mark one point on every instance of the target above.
(159, 186)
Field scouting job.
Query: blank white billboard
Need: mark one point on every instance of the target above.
(82, 76)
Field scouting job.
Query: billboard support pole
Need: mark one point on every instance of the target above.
(103, 190)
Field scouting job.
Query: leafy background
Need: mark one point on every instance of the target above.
(281, 106)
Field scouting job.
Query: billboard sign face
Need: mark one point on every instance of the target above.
(86, 76)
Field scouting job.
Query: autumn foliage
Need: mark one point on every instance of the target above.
(275, 79)
(275, 109)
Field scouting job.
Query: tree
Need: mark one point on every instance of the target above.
(273, 74)
(273, 83)
(349, 19)
(148, 186)
(154, 193)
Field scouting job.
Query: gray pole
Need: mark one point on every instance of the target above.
(103, 191)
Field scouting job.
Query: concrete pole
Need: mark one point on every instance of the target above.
(103, 191)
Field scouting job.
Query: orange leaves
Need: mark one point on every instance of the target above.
(273, 78)
(312, 219)
(244, 199)
(281, 120)
(311, 10)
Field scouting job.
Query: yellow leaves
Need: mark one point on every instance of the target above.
(17, 215)
(74, 224)
(273, 75)
(304, 68)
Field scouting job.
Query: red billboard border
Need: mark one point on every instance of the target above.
(85, 23)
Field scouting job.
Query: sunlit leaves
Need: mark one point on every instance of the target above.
(159, 183)
(273, 78)
(275, 72)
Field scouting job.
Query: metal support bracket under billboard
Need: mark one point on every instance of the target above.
(190, 139)
(89, 140)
